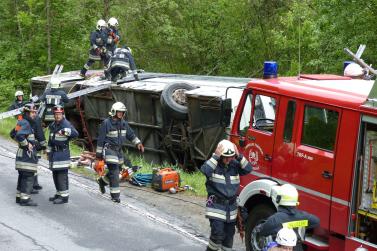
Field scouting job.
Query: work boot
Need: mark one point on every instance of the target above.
(28, 202)
(61, 200)
(37, 187)
(101, 184)
(83, 72)
(18, 199)
(34, 191)
(54, 197)
(117, 200)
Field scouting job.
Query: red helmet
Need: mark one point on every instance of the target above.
(58, 109)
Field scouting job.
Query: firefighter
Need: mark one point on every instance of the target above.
(223, 172)
(26, 157)
(120, 63)
(98, 50)
(286, 239)
(60, 133)
(286, 197)
(113, 133)
(52, 97)
(113, 36)
(19, 102)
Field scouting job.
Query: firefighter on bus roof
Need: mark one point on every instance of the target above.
(60, 133)
(286, 197)
(19, 102)
(354, 71)
(98, 50)
(113, 133)
(223, 172)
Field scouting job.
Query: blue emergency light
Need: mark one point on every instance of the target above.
(270, 69)
(346, 63)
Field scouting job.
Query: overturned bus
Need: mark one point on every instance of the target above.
(179, 118)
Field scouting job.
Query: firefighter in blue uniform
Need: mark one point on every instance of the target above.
(19, 102)
(120, 63)
(286, 197)
(117, 54)
(60, 133)
(223, 172)
(52, 97)
(113, 133)
(26, 157)
(98, 50)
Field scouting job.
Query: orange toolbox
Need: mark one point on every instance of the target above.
(164, 179)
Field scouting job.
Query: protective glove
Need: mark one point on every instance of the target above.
(98, 51)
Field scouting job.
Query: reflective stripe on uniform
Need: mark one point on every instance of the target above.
(61, 164)
(114, 190)
(212, 162)
(24, 142)
(235, 179)
(216, 178)
(49, 117)
(60, 137)
(24, 196)
(112, 134)
(243, 162)
(112, 159)
(226, 248)
(31, 137)
(123, 132)
(233, 214)
(20, 152)
(94, 57)
(64, 193)
(99, 149)
(213, 246)
(136, 141)
(26, 166)
(215, 213)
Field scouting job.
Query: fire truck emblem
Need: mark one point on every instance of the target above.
(254, 154)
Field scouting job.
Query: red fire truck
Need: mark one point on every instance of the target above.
(318, 133)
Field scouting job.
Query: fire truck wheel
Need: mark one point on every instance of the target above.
(173, 99)
(257, 215)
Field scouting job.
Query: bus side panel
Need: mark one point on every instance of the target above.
(345, 152)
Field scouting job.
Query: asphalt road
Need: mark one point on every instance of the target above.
(90, 221)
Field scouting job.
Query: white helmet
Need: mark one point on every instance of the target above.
(19, 93)
(285, 195)
(286, 237)
(228, 148)
(55, 83)
(101, 23)
(353, 70)
(113, 22)
(117, 107)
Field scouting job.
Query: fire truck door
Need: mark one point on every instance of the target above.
(259, 138)
(314, 158)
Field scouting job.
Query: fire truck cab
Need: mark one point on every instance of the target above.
(318, 133)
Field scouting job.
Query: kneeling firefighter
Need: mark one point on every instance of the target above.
(26, 157)
(61, 132)
(223, 172)
(113, 133)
